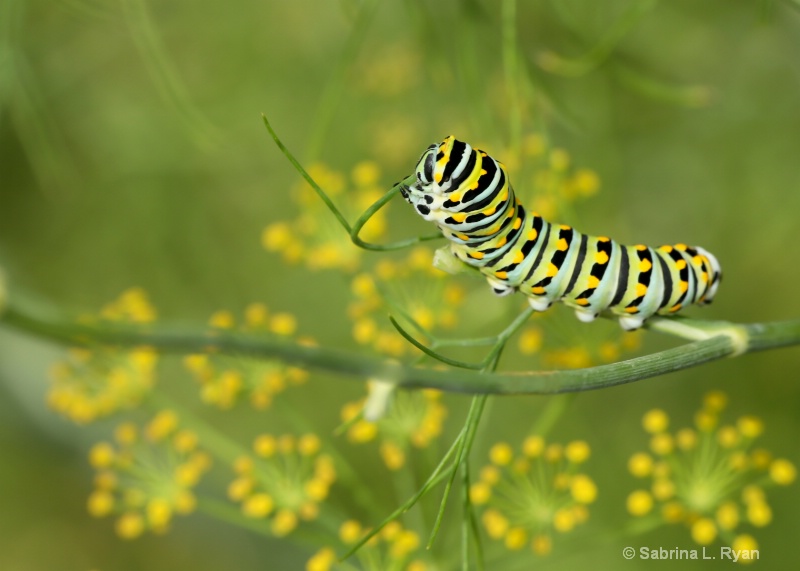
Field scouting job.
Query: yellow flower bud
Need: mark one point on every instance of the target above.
(639, 503)
(655, 421)
(101, 455)
(583, 489)
(100, 503)
(640, 465)
(577, 451)
(350, 531)
(501, 454)
(782, 472)
(130, 525)
(704, 531)
(516, 538)
(533, 446)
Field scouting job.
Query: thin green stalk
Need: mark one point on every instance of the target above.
(511, 72)
(355, 229)
(473, 417)
(430, 352)
(722, 339)
(439, 473)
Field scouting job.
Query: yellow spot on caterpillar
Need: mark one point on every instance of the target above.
(593, 282)
(565, 227)
(604, 239)
(680, 264)
(532, 234)
(538, 290)
(552, 270)
(483, 171)
(645, 266)
(476, 255)
(666, 249)
(438, 176)
(501, 242)
(704, 277)
(601, 258)
(504, 196)
(641, 247)
(582, 301)
(681, 247)
(698, 259)
(462, 236)
(490, 211)
(518, 257)
(683, 286)
(641, 289)
(501, 275)
(562, 245)
(517, 223)
(459, 217)
(675, 308)
(631, 310)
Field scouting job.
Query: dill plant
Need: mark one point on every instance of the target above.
(308, 485)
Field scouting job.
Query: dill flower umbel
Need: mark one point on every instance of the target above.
(709, 477)
(225, 378)
(285, 480)
(147, 476)
(413, 418)
(315, 238)
(421, 297)
(530, 495)
(392, 548)
(97, 382)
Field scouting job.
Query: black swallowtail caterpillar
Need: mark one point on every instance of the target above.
(468, 195)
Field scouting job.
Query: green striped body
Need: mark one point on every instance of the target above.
(468, 195)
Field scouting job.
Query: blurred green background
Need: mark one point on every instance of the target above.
(132, 152)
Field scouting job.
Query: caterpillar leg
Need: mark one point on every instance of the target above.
(631, 322)
(540, 304)
(499, 288)
(585, 316)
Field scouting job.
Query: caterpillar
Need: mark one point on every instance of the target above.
(469, 196)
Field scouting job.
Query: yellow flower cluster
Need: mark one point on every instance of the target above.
(709, 477)
(285, 480)
(148, 476)
(413, 418)
(97, 382)
(392, 548)
(529, 495)
(316, 238)
(420, 297)
(224, 378)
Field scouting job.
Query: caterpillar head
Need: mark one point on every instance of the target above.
(427, 193)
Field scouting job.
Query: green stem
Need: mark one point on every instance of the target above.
(512, 75)
(723, 340)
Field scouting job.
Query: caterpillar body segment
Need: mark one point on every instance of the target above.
(468, 195)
